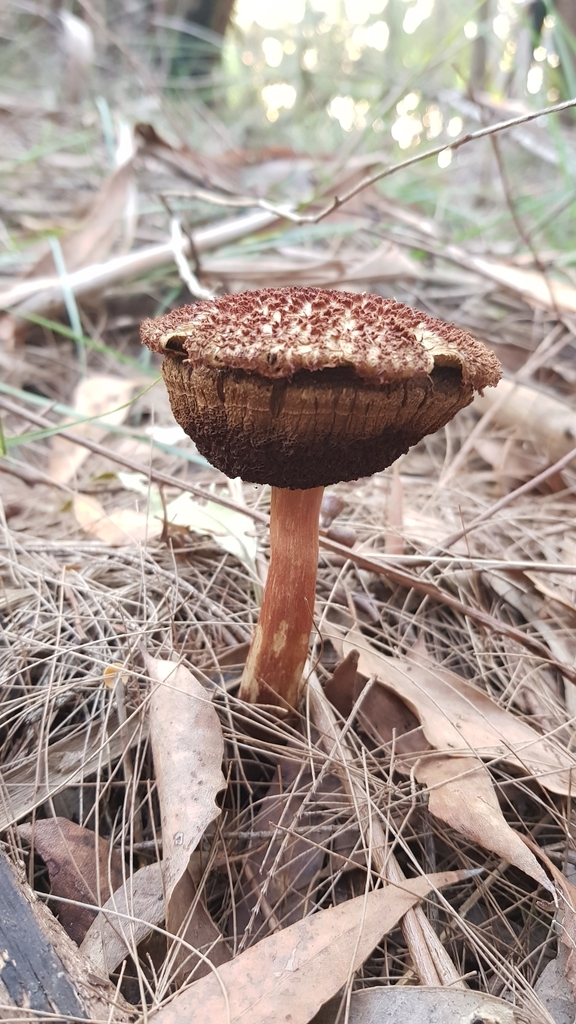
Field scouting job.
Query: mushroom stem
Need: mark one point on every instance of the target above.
(279, 649)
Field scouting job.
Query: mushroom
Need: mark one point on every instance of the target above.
(300, 388)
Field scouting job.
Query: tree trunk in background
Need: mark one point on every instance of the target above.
(210, 14)
(196, 54)
(567, 11)
(478, 69)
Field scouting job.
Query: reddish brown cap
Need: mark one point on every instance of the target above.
(302, 387)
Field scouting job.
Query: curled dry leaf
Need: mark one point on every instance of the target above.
(566, 918)
(188, 749)
(133, 912)
(554, 989)
(459, 719)
(81, 866)
(289, 975)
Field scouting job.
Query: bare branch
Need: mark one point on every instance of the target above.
(337, 201)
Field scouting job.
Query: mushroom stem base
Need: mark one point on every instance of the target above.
(275, 662)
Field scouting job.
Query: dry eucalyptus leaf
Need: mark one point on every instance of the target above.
(188, 749)
(67, 762)
(459, 719)
(299, 968)
(533, 415)
(95, 396)
(111, 937)
(232, 530)
(94, 237)
(125, 526)
(395, 1004)
(461, 790)
(461, 793)
(555, 991)
(81, 867)
(538, 290)
(132, 913)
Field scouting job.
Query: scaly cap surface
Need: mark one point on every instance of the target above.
(276, 332)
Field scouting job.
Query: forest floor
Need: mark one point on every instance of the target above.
(131, 573)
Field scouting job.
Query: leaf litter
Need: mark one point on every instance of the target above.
(458, 757)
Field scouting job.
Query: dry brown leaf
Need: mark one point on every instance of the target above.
(513, 461)
(530, 284)
(397, 1004)
(461, 793)
(459, 719)
(302, 966)
(291, 266)
(111, 937)
(188, 749)
(199, 167)
(277, 893)
(340, 689)
(426, 531)
(534, 415)
(125, 526)
(81, 867)
(566, 914)
(93, 239)
(67, 762)
(133, 912)
(95, 396)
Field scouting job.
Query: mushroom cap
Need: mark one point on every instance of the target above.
(304, 387)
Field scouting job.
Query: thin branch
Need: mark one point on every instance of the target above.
(284, 211)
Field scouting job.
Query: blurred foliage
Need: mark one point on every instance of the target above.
(325, 77)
